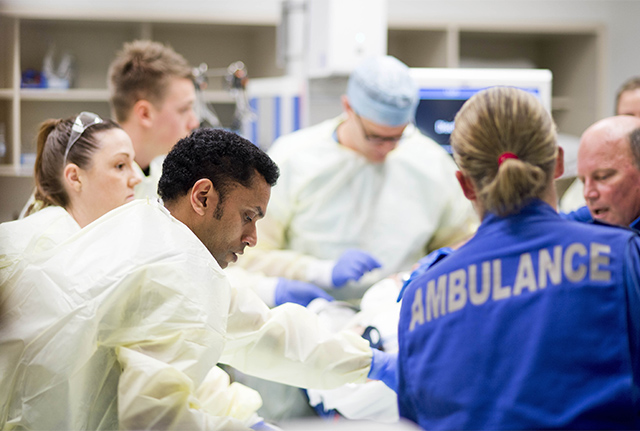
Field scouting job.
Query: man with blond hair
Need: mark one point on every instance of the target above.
(152, 96)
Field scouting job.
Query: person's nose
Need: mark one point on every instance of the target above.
(193, 122)
(250, 237)
(386, 148)
(590, 191)
(134, 179)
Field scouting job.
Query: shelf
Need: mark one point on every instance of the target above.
(92, 95)
(560, 103)
(220, 96)
(84, 95)
(254, 12)
(16, 171)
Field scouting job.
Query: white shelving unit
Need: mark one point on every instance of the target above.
(574, 54)
(93, 42)
(220, 34)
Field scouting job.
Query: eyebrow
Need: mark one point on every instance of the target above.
(122, 153)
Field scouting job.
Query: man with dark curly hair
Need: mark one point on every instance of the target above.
(135, 311)
(152, 97)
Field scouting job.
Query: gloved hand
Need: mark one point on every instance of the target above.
(425, 263)
(299, 292)
(384, 367)
(352, 265)
(264, 426)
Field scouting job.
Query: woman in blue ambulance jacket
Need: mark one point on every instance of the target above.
(535, 322)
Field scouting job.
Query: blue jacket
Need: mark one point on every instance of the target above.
(534, 323)
(584, 215)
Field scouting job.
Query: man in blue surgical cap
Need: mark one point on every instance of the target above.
(363, 195)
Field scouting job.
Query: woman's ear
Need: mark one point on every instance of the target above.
(72, 177)
(559, 164)
(468, 188)
(346, 106)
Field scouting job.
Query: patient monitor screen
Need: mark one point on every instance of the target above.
(437, 109)
(443, 91)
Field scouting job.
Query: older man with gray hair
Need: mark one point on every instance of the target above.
(609, 167)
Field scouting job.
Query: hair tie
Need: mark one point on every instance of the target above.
(506, 156)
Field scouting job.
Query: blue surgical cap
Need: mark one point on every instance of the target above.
(381, 90)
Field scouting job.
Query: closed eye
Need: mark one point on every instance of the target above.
(249, 217)
(603, 177)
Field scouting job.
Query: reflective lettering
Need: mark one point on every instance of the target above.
(457, 291)
(417, 310)
(599, 257)
(436, 298)
(499, 291)
(549, 267)
(525, 277)
(479, 298)
(574, 274)
(452, 291)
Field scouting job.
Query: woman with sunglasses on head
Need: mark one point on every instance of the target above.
(534, 323)
(84, 168)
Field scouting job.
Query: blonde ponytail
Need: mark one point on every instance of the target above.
(503, 120)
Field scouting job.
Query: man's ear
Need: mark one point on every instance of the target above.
(467, 186)
(143, 111)
(344, 101)
(559, 164)
(203, 196)
(72, 177)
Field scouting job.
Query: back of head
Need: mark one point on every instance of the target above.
(634, 144)
(507, 120)
(52, 143)
(141, 71)
(381, 90)
(630, 84)
(223, 157)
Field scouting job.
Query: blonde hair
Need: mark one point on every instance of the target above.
(140, 71)
(502, 120)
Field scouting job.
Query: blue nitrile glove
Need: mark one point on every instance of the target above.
(264, 426)
(352, 265)
(299, 292)
(384, 367)
(425, 263)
